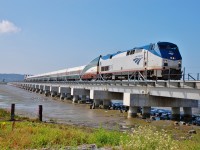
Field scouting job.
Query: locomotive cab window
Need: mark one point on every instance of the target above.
(163, 45)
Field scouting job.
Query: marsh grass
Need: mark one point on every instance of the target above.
(42, 135)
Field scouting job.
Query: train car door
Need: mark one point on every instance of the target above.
(145, 59)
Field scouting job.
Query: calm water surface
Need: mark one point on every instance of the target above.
(26, 104)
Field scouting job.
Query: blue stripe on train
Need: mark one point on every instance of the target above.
(164, 53)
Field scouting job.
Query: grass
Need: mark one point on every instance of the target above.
(31, 134)
(42, 135)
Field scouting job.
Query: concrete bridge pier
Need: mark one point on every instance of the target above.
(54, 90)
(37, 90)
(29, 89)
(68, 96)
(53, 93)
(132, 112)
(187, 113)
(75, 98)
(146, 112)
(41, 91)
(96, 103)
(62, 96)
(46, 92)
(33, 89)
(176, 113)
(58, 94)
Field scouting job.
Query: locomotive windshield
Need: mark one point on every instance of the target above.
(166, 45)
(168, 51)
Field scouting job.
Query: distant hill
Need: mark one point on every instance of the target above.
(11, 77)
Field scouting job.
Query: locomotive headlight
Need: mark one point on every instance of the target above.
(165, 61)
(179, 64)
(172, 58)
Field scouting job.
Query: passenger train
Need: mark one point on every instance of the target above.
(161, 60)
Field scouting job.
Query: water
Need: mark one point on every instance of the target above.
(26, 104)
(62, 112)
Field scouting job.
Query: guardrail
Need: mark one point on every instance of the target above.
(147, 83)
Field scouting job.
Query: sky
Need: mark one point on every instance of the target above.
(38, 36)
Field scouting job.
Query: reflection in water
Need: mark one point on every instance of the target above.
(63, 112)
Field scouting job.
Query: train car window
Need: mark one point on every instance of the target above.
(105, 68)
(132, 52)
(138, 51)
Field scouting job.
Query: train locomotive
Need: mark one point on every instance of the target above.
(155, 61)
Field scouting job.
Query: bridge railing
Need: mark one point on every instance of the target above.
(124, 83)
(191, 76)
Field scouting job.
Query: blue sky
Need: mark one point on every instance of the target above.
(38, 36)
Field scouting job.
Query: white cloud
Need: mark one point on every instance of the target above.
(8, 27)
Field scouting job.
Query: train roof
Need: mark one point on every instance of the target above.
(57, 72)
(108, 56)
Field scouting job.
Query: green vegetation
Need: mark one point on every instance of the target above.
(31, 134)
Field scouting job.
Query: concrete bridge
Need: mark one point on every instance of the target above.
(145, 94)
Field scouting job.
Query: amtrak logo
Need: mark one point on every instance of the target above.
(137, 60)
(171, 53)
